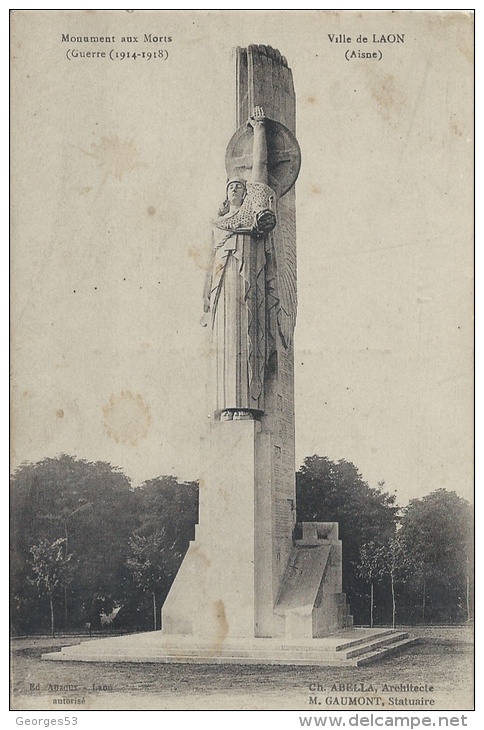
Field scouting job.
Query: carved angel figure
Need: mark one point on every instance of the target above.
(241, 301)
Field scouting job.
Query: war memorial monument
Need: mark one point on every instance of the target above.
(254, 586)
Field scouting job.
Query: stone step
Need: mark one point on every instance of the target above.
(296, 652)
(348, 643)
(365, 653)
(229, 649)
(375, 656)
(329, 661)
(135, 659)
(157, 641)
(376, 644)
(340, 641)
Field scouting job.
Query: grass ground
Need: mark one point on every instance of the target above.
(443, 660)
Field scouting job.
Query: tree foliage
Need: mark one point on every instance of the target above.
(396, 563)
(370, 568)
(49, 567)
(438, 534)
(168, 512)
(91, 506)
(147, 568)
(84, 544)
(99, 516)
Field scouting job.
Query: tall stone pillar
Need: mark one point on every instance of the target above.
(264, 79)
(238, 579)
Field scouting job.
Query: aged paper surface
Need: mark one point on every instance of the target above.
(118, 163)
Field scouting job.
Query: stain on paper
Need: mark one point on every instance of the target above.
(456, 129)
(126, 418)
(117, 157)
(201, 554)
(199, 256)
(467, 51)
(388, 94)
(222, 625)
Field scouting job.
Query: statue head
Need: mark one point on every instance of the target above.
(236, 191)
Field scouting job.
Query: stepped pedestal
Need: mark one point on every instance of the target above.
(355, 647)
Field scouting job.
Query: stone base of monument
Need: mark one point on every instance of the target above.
(352, 647)
(251, 571)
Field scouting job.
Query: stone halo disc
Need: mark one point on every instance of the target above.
(283, 152)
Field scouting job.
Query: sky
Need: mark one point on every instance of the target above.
(118, 167)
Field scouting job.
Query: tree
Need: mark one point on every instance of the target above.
(174, 503)
(65, 517)
(437, 532)
(331, 491)
(49, 565)
(370, 568)
(91, 505)
(397, 563)
(168, 512)
(146, 565)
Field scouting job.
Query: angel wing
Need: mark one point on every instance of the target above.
(284, 241)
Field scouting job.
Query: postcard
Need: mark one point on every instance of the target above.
(242, 360)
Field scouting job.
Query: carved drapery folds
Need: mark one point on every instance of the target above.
(251, 285)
